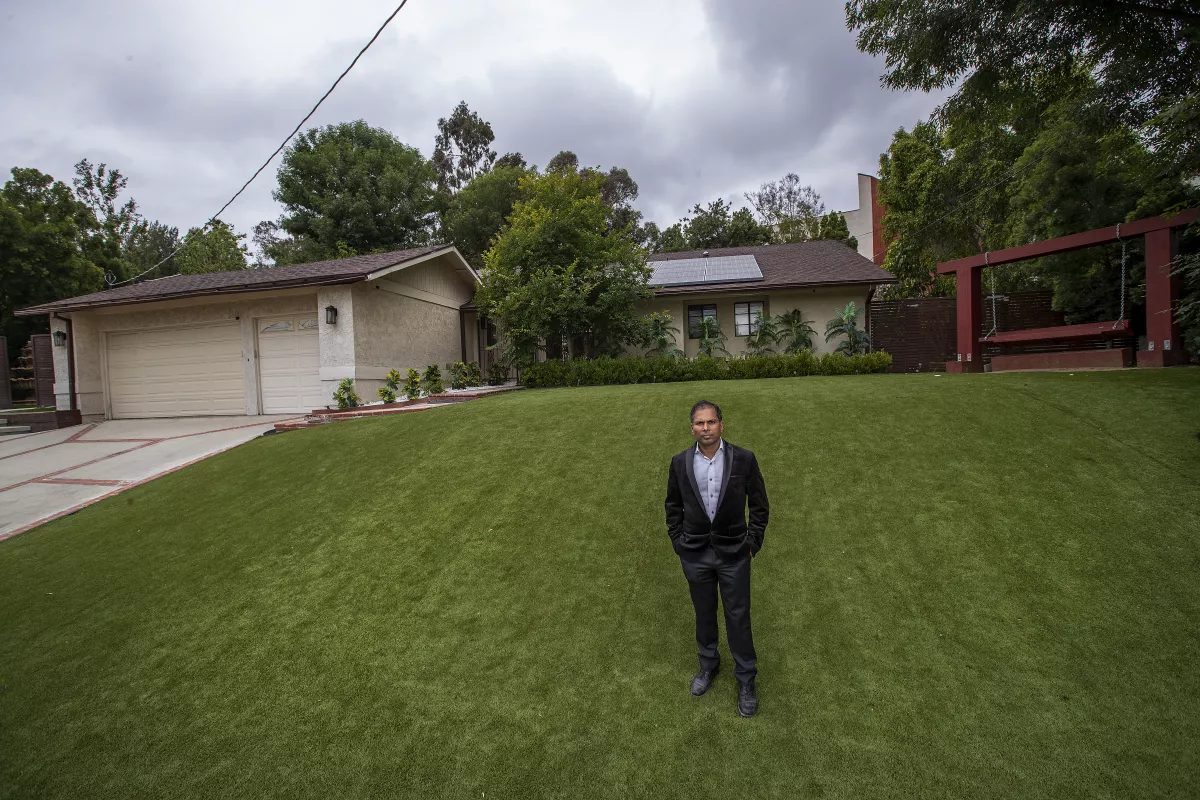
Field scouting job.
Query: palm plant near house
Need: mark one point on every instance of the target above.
(712, 338)
(794, 331)
(764, 335)
(846, 324)
(660, 336)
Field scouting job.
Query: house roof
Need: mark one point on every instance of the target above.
(785, 266)
(342, 270)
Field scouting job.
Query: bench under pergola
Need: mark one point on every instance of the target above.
(1163, 344)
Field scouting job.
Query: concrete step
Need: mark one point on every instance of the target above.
(13, 430)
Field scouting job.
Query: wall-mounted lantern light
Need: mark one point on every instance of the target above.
(330, 315)
(60, 338)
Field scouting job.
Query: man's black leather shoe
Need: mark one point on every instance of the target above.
(747, 699)
(703, 681)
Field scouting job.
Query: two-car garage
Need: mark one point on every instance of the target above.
(199, 370)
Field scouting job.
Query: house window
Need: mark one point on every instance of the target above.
(697, 313)
(309, 324)
(745, 318)
(275, 327)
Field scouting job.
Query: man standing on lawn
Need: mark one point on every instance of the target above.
(708, 489)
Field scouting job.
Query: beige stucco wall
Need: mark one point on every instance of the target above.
(817, 305)
(92, 327)
(406, 319)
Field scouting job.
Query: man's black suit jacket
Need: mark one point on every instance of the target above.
(688, 524)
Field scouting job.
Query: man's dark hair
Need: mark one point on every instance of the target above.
(705, 404)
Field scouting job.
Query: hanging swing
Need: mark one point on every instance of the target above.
(1059, 333)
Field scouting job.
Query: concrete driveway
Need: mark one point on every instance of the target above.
(46, 475)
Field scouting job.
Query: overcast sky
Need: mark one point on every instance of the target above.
(698, 99)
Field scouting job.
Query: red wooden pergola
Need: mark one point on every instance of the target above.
(1163, 346)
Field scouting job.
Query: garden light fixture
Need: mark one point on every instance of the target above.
(60, 338)
(330, 315)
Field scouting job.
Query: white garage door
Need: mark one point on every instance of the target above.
(289, 374)
(176, 372)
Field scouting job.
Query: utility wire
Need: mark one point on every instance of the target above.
(279, 149)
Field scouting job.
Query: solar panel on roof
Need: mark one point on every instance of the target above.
(721, 269)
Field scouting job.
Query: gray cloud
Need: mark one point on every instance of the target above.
(740, 94)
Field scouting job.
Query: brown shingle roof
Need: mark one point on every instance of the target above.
(343, 270)
(786, 266)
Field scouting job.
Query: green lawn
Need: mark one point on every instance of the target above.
(972, 586)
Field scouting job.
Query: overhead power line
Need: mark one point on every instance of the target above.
(282, 144)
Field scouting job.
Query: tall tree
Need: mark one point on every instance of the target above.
(716, 225)
(215, 248)
(790, 210)
(794, 212)
(99, 189)
(462, 149)
(1143, 54)
(477, 214)
(350, 189)
(563, 161)
(557, 270)
(150, 244)
(41, 225)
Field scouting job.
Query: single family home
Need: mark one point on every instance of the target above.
(261, 341)
(735, 284)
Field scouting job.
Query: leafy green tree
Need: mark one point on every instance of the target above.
(764, 335)
(794, 331)
(99, 188)
(348, 189)
(515, 160)
(672, 240)
(41, 225)
(793, 212)
(660, 335)
(1144, 56)
(148, 244)
(213, 249)
(462, 149)
(712, 339)
(846, 324)
(563, 161)
(477, 214)
(557, 270)
(716, 225)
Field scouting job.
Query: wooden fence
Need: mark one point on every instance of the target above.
(921, 334)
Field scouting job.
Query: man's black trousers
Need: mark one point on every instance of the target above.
(705, 572)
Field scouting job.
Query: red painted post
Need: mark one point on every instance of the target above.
(969, 304)
(1163, 345)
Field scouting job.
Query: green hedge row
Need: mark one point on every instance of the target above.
(634, 369)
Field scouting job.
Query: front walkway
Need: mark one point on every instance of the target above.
(47, 475)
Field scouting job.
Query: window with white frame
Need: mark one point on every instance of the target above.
(745, 318)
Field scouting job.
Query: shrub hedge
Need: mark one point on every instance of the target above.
(635, 369)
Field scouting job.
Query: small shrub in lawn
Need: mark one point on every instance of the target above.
(412, 386)
(344, 394)
(661, 369)
(432, 380)
(387, 394)
(457, 371)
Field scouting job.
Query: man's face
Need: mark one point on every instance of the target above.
(706, 428)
